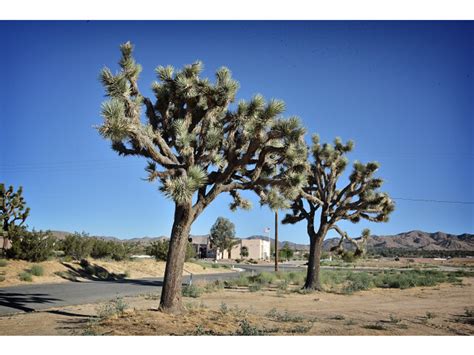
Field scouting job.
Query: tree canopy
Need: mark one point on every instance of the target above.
(194, 142)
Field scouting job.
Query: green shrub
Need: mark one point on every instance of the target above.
(25, 276)
(394, 319)
(348, 257)
(3, 263)
(158, 249)
(255, 287)
(32, 246)
(241, 281)
(213, 286)
(112, 308)
(284, 317)
(265, 278)
(191, 291)
(77, 246)
(358, 281)
(247, 329)
(37, 270)
(2, 278)
(223, 308)
(375, 326)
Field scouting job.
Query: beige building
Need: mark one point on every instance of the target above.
(255, 248)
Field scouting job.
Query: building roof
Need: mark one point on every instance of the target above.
(199, 240)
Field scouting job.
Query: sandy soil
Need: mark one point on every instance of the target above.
(134, 269)
(437, 310)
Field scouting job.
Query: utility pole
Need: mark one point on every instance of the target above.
(276, 240)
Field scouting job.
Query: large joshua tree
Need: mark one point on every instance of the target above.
(197, 147)
(13, 211)
(322, 203)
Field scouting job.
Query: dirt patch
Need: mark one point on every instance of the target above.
(55, 271)
(439, 310)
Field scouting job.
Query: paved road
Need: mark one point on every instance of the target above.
(30, 298)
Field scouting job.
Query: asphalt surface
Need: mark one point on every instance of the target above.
(30, 298)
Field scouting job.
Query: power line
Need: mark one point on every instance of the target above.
(433, 201)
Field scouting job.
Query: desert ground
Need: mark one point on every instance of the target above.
(445, 309)
(56, 271)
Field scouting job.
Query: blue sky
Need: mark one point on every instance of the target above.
(403, 91)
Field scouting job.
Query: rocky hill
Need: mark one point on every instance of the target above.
(416, 240)
(413, 240)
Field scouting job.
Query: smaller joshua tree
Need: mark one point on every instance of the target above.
(13, 211)
(360, 245)
(323, 204)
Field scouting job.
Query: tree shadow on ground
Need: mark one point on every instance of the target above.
(20, 301)
(88, 271)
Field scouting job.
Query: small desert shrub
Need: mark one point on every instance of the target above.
(358, 281)
(2, 278)
(265, 278)
(113, 308)
(255, 287)
(284, 317)
(37, 270)
(300, 329)
(296, 278)
(394, 319)
(213, 286)
(3, 263)
(430, 315)
(223, 308)
(283, 286)
(348, 257)
(407, 279)
(25, 276)
(376, 326)
(247, 329)
(242, 281)
(191, 291)
(469, 312)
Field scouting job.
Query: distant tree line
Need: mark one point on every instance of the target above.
(159, 250)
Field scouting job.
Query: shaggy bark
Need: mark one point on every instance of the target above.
(171, 292)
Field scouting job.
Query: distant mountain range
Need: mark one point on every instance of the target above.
(413, 240)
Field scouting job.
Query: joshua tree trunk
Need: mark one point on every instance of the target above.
(313, 281)
(171, 293)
